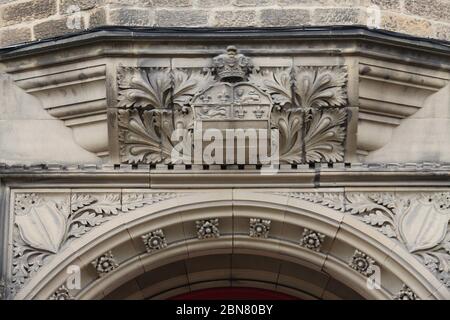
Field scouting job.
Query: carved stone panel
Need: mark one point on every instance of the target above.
(45, 223)
(419, 222)
(302, 109)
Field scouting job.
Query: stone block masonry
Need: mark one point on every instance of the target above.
(28, 20)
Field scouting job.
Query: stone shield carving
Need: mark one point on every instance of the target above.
(42, 225)
(424, 224)
(225, 101)
(305, 105)
(45, 223)
(420, 222)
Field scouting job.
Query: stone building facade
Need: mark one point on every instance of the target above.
(115, 183)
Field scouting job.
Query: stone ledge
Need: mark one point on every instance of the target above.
(312, 167)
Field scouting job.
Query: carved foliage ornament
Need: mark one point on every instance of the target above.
(156, 104)
(362, 263)
(405, 293)
(419, 221)
(305, 104)
(105, 264)
(312, 239)
(207, 228)
(62, 293)
(154, 240)
(259, 228)
(45, 224)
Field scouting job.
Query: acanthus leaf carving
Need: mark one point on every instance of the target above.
(320, 86)
(289, 125)
(304, 103)
(325, 134)
(35, 243)
(425, 234)
(145, 136)
(144, 87)
(277, 83)
(187, 82)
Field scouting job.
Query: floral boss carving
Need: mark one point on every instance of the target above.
(304, 107)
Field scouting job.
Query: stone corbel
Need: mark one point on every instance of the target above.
(76, 95)
(388, 95)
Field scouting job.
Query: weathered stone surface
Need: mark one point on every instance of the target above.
(28, 134)
(129, 3)
(181, 18)
(65, 5)
(336, 16)
(434, 9)
(97, 18)
(400, 23)
(253, 3)
(443, 31)
(411, 145)
(131, 17)
(212, 3)
(230, 18)
(172, 3)
(25, 11)
(387, 4)
(52, 28)
(284, 17)
(15, 35)
(323, 3)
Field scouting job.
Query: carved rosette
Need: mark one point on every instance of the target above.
(420, 222)
(62, 293)
(306, 105)
(105, 264)
(44, 224)
(2, 289)
(154, 240)
(259, 228)
(207, 228)
(405, 293)
(362, 263)
(312, 240)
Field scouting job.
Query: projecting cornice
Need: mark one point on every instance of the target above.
(115, 41)
(179, 176)
(378, 80)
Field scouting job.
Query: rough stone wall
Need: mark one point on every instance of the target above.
(26, 20)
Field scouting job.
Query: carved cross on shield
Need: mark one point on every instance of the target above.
(232, 102)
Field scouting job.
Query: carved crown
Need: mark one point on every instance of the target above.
(232, 66)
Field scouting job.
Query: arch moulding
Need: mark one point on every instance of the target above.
(304, 247)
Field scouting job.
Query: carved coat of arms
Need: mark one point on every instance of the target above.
(304, 104)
